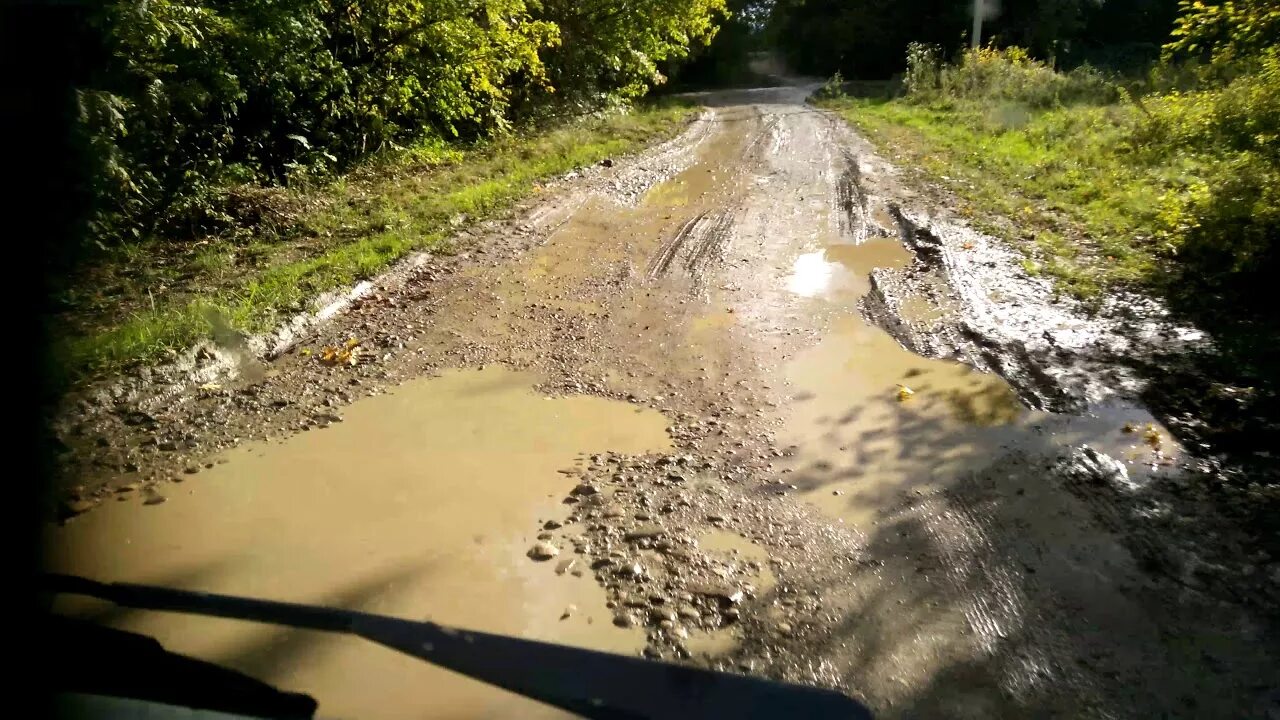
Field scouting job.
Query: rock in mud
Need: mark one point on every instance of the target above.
(71, 508)
(1088, 465)
(624, 620)
(152, 497)
(543, 551)
(728, 594)
(586, 489)
(664, 613)
(646, 532)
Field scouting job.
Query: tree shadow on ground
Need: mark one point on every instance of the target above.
(997, 590)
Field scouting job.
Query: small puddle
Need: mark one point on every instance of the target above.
(713, 644)
(420, 505)
(843, 270)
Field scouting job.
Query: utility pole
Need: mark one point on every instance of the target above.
(975, 40)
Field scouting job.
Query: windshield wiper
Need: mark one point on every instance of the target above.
(590, 683)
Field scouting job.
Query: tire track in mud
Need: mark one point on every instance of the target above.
(992, 599)
(772, 128)
(851, 201)
(694, 247)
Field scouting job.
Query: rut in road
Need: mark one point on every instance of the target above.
(698, 242)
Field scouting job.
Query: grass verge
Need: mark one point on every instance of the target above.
(148, 299)
(1059, 184)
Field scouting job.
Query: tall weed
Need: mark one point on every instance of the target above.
(1010, 74)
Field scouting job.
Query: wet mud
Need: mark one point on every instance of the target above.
(741, 401)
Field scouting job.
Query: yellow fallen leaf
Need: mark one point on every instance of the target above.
(904, 393)
(1128, 428)
(210, 387)
(305, 352)
(966, 245)
(1152, 436)
(348, 355)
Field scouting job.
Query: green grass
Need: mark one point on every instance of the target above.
(1060, 184)
(150, 298)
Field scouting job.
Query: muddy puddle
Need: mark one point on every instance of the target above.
(840, 270)
(868, 419)
(421, 504)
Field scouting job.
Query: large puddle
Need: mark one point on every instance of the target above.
(422, 505)
(869, 419)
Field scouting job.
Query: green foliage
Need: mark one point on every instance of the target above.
(196, 96)
(1226, 222)
(726, 60)
(615, 47)
(924, 69)
(1010, 74)
(1179, 189)
(1224, 31)
(832, 89)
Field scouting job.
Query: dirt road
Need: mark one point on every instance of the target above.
(684, 379)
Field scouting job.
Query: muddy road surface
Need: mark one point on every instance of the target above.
(744, 401)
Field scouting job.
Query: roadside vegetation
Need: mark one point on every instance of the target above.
(1171, 181)
(286, 244)
(238, 157)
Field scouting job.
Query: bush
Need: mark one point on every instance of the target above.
(1243, 116)
(1010, 74)
(924, 69)
(832, 89)
(1226, 227)
(1226, 224)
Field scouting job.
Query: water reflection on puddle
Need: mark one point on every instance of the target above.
(842, 269)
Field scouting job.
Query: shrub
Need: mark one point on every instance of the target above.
(1224, 225)
(193, 95)
(833, 88)
(923, 69)
(1011, 74)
